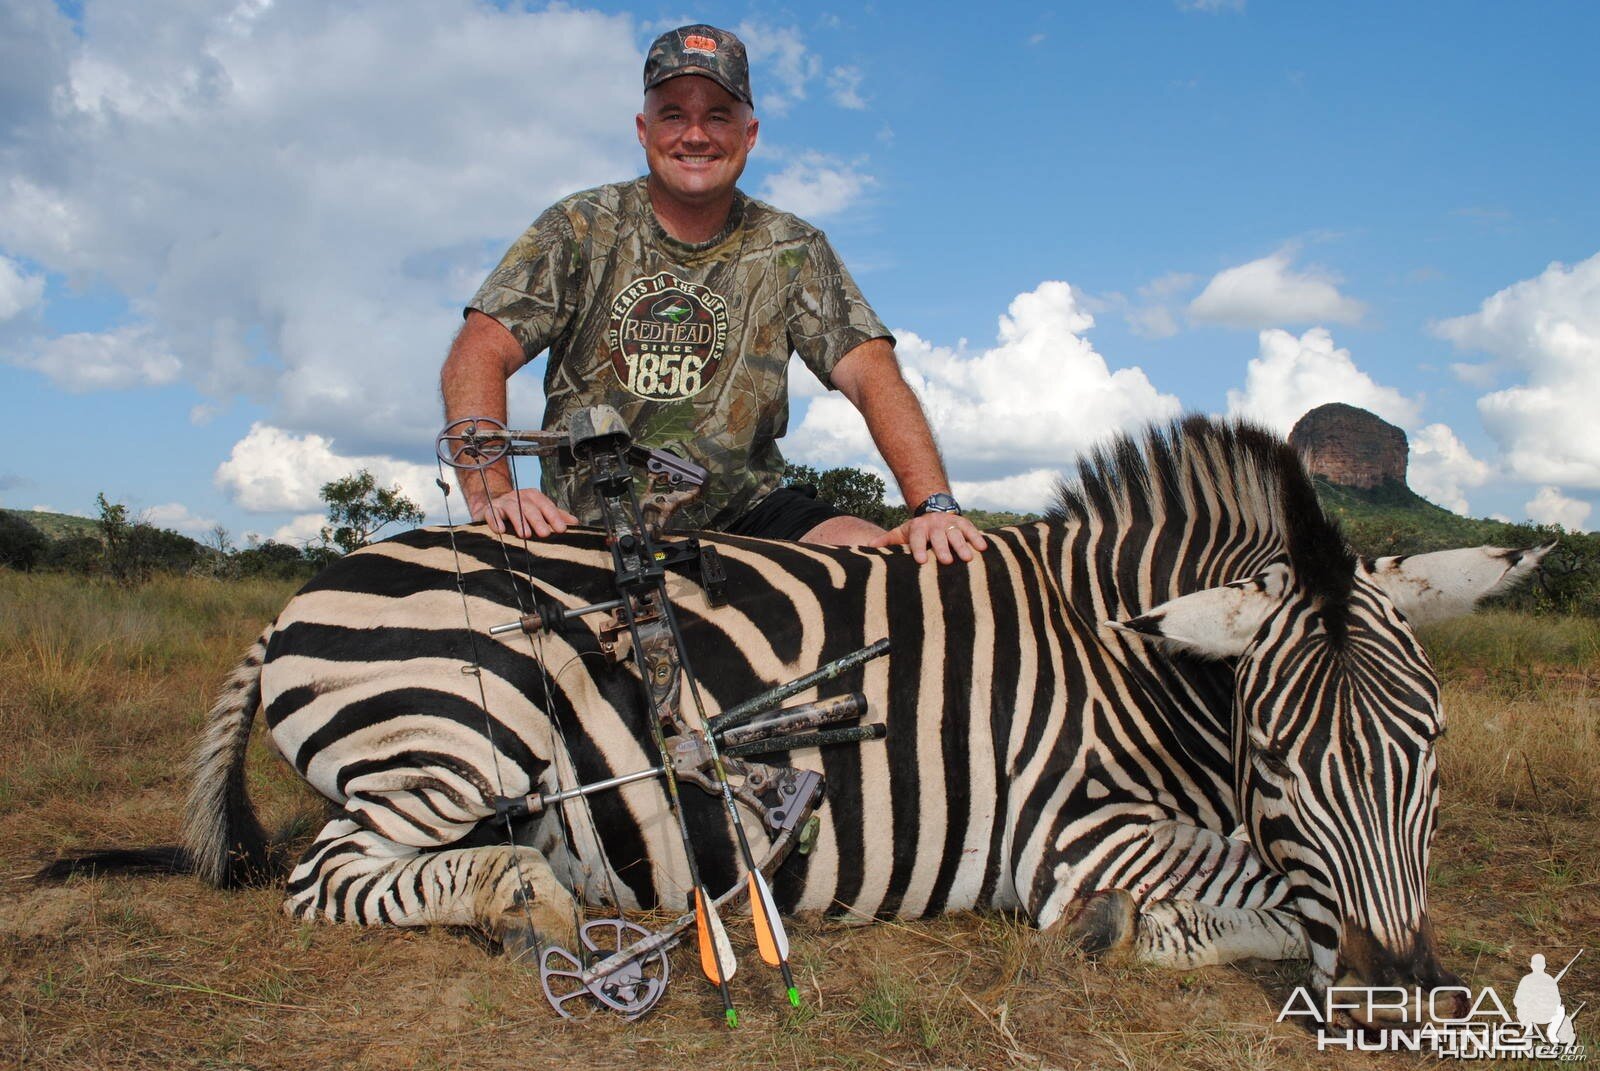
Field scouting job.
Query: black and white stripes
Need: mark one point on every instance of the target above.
(1036, 755)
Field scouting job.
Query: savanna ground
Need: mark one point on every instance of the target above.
(103, 689)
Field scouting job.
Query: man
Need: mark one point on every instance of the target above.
(678, 300)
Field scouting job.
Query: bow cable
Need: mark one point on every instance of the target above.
(483, 701)
(556, 732)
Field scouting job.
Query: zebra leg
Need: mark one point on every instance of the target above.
(1183, 933)
(352, 874)
(1198, 898)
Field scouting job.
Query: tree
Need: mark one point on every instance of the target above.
(136, 548)
(359, 509)
(853, 491)
(279, 561)
(22, 546)
(219, 560)
(117, 531)
(81, 554)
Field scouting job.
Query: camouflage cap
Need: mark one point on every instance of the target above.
(703, 50)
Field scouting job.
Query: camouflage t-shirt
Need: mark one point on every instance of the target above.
(690, 343)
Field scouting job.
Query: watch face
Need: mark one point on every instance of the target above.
(939, 503)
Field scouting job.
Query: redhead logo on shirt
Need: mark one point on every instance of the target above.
(667, 337)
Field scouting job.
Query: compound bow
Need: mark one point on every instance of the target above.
(622, 966)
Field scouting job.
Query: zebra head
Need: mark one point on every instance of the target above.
(1335, 719)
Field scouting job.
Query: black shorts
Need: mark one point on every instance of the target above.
(787, 513)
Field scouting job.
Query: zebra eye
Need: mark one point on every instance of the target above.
(1272, 761)
(1268, 756)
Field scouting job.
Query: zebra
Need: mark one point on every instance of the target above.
(1176, 718)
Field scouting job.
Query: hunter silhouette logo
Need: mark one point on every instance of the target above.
(667, 337)
(1452, 1020)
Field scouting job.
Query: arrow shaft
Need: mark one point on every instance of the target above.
(766, 917)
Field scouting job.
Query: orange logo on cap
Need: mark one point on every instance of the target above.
(696, 43)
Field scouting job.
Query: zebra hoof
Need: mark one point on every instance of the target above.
(519, 942)
(1104, 924)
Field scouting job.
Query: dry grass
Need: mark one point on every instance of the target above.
(105, 688)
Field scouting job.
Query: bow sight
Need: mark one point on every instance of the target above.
(621, 966)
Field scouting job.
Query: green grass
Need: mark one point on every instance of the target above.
(1500, 642)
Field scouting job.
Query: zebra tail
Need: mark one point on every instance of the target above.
(223, 841)
(166, 859)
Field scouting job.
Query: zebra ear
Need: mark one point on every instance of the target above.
(1215, 622)
(1449, 583)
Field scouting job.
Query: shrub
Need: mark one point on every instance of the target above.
(22, 546)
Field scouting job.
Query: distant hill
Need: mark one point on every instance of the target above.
(1399, 519)
(58, 525)
(989, 518)
(1351, 447)
(1358, 464)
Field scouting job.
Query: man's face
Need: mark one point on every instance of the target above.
(696, 137)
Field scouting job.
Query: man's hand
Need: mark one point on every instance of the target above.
(529, 513)
(948, 535)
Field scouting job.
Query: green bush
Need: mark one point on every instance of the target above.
(1392, 519)
(276, 561)
(853, 491)
(84, 555)
(22, 546)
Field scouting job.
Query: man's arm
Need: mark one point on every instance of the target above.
(869, 376)
(473, 382)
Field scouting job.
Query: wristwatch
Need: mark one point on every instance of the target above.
(937, 503)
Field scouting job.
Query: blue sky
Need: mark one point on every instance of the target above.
(234, 239)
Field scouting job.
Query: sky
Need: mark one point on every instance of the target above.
(235, 237)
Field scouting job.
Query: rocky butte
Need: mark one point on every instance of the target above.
(1351, 447)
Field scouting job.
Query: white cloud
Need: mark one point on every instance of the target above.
(1152, 321)
(1550, 506)
(296, 220)
(1293, 375)
(844, 85)
(1153, 317)
(303, 529)
(1211, 7)
(271, 469)
(1034, 400)
(1269, 292)
(131, 356)
(1163, 287)
(179, 518)
(1482, 376)
(18, 292)
(786, 67)
(1548, 329)
(802, 382)
(1027, 492)
(816, 186)
(1442, 468)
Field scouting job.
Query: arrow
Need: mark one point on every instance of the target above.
(716, 953)
(771, 939)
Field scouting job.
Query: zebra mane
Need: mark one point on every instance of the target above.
(1242, 482)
